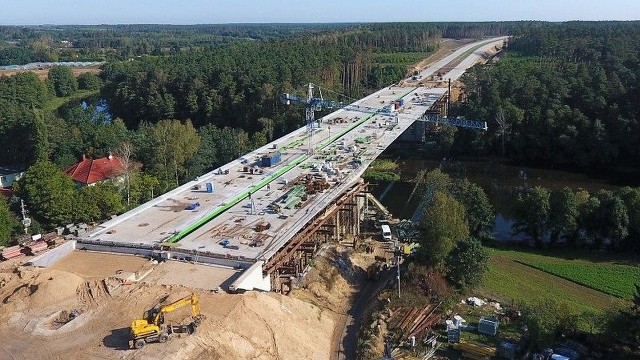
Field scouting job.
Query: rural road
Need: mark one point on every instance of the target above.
(345, 337)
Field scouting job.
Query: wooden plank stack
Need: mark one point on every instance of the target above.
(413, 321)
(475, 351)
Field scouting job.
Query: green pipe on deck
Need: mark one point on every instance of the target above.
(216, 212)
(245, 194)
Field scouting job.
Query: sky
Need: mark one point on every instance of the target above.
(87, 12)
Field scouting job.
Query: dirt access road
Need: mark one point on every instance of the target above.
(345, 338)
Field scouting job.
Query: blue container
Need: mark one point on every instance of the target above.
(271, 159)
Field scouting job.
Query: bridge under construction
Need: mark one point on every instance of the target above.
(268, 211)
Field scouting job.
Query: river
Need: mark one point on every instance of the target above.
(499, 180)
(94, 103)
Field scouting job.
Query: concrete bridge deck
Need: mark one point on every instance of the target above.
(345, 143)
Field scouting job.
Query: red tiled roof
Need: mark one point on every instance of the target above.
(90, 171)
(8, 192)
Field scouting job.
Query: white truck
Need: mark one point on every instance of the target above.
(386, 232)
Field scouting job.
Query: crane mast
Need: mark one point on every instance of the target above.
(312, 104)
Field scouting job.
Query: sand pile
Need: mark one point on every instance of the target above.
(54, 286)
(253, 325)
(39, 289)
(6, 278)
(271, 326)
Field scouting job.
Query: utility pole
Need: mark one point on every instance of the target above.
(449, 97)
(398, 263)
(26, 222)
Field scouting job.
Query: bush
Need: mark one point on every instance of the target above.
(466, 263)
(88, 81)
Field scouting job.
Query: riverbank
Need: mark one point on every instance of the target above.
(500, 180)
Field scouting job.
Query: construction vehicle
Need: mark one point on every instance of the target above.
(151, 327)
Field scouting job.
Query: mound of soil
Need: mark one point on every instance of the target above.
(271, 326)
(54, 286)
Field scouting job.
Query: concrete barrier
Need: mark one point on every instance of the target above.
(52, 256)
(110, 247)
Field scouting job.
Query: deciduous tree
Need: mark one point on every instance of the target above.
(531, 214)
(173, 144)
(8, 222)
(479, 210)
(611, 219)
(99, 202)
(563, 213)
(124, 152)
(48, 192)
(89, 81)
(62, 81)
(467, 263)
(443, 224)
(432, 182)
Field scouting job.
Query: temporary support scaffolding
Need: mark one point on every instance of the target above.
(339, 219)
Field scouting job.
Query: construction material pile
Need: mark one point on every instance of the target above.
(413, 322)
(407, 230)
(475, 351)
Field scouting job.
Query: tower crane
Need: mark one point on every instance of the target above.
(313, 104)
(458, 122)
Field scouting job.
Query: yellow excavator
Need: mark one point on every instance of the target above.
(151, 327)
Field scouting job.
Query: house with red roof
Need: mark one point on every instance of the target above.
(92, 171)
(8, 175)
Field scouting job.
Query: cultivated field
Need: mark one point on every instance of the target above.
(511, 277)
(611, 277)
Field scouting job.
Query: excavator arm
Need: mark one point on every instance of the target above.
(189, 300)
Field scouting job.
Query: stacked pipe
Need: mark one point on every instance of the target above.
(12, 252)
(36, 246)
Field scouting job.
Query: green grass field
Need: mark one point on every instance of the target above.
(55, 102)
(610, 278)
(516, 276)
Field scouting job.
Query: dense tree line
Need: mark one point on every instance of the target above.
(603, 219)
(24, 44)
(564, 95)
(239, 83)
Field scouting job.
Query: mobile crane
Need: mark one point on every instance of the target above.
(151, 327)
